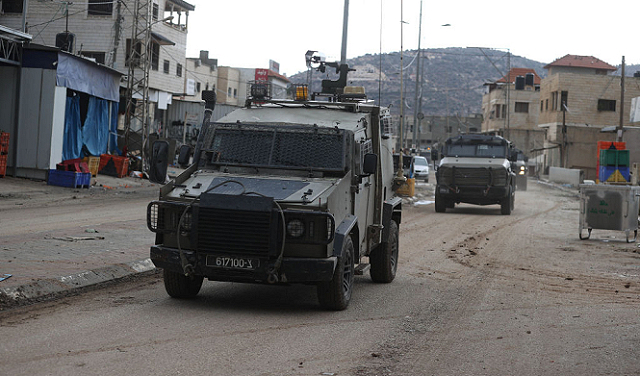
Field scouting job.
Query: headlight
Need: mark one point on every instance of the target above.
(295, 228)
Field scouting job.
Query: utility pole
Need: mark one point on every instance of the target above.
(620, 129)
(118, 27)
(418, 82)
(139, 61)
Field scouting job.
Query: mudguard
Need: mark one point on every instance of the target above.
(342, 231)
(388, 208)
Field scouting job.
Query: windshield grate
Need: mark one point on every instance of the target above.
(318, 149)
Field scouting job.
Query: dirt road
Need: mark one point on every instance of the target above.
(477, 293)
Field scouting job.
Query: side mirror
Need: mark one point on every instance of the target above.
(370, 164)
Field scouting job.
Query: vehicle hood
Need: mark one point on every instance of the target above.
(307, 191)
(475, 162)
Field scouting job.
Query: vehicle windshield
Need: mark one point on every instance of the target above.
(420, 161)
(476, 149)
(275, 146)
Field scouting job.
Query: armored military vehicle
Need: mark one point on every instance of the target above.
(284, 191)
(476, 169)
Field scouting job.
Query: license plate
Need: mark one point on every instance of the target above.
(229, 262)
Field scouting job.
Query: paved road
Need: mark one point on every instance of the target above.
(477, 293)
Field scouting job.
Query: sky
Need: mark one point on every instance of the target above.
(249, 33)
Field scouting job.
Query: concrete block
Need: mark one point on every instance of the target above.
(566, 176)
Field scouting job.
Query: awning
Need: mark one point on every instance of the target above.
(161, 40)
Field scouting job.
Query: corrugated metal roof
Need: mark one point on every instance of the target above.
(577, 61)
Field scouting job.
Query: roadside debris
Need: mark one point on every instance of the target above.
(77, 238)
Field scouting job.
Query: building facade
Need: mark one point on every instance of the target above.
(580, 100)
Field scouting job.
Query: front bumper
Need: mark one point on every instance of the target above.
(292, 270)
(473, 195)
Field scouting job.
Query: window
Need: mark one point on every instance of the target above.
(546, 105)
(522, 107)
(179, 70)
(497, 111)
(198, 87)
(155, 56)
(235, 93)
(100, 7)
(606, 105)
(541, 106)
(99, 57)
(564, 96)
(11, 6)
(229, 92)
(132, 56)
(165, 67)
(554, 101)
(504, 111)
(155, 11)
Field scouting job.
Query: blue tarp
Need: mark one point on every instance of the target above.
(72, 144)
(94, 135)
(95, 132)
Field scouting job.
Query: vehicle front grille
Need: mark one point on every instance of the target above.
(232, 231)
(464, 176)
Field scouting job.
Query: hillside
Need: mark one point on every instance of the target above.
(453, 78)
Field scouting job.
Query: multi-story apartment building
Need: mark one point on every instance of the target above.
(510, 108)
(103, 31)
(579, 98)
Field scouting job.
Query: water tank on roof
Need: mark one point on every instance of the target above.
(520, 83)
(65, 41)
(528, 79)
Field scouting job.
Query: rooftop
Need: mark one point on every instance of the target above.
(577, 61)
(515, 72)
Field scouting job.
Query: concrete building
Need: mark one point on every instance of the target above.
(510, 109)
(579, 99)
(102, 31)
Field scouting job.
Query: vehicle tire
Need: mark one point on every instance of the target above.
(506, 205)
(384, 259)
(335, 295)
(451, 204)
(180, 286)
(441, 205)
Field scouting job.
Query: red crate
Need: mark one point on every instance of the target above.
(4, 143)
(113, 165)
(3, 165)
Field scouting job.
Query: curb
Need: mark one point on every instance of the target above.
(42, 288)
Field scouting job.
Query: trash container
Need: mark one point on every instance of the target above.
(609, 207)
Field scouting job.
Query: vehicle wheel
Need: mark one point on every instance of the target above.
(180, 286)
(441, 205)
(506, 205)
(384, 260)
(451, 204)
(336, 294)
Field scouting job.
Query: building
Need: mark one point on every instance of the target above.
(510, 109)
(105, 32)
(580, 99)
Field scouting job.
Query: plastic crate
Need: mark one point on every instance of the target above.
(623, 158)
(93, 163)
(608, 157)
(113, 165)
(4, 143)
(3, 165)
(613, 174)
(608, 145)
(69, 179)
